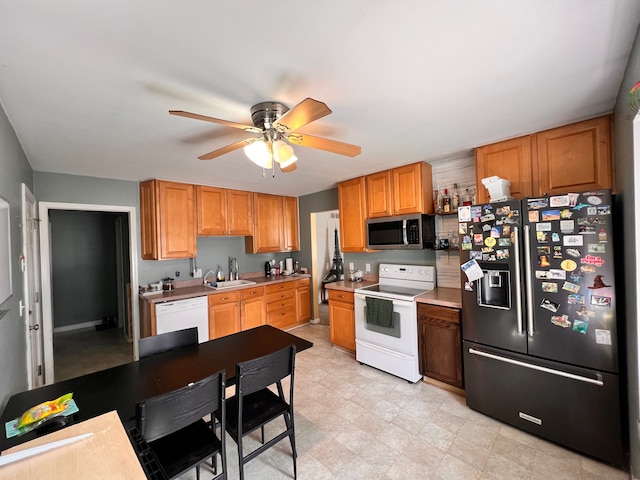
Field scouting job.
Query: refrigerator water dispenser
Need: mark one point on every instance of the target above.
(494, 289)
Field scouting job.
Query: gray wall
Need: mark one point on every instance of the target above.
(83, 266)
(14, 170)
(315, 202)
(627, 176)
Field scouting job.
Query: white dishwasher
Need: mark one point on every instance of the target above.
(181, 314)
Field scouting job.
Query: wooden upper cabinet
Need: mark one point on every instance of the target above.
(224, 212)
(511, 160)
(212, 210)
(240, 212)
(400, 191)
(352, 204)
(268, 224)
(379, 194)
(575, 157)
(412, 189)
(168, 227)
(290, 234)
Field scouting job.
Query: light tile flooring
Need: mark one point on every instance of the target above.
(355, 422)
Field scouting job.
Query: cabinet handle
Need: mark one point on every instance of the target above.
(282, 314)
(282, 304)
(224, 298)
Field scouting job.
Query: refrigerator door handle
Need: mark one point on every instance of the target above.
(516, 251)
(599, 382)
(528, 280)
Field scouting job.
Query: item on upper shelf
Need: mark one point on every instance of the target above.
(267, 269)
(438, 205)
(219, 274)
(446, 202)
(467, 198)
(455, 198)
(167, 284)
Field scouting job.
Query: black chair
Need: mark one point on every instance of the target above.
(167, 341)
(254, 404)
(172, 426)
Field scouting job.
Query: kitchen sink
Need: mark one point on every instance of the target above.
(230, 283)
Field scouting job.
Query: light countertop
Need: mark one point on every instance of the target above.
(443, 297)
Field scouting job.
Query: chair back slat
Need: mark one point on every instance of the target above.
(259, 373)
(164, 342)
(164, 414)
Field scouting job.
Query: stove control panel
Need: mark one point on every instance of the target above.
(426, 273)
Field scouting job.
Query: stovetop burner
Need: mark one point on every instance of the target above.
(402, 282)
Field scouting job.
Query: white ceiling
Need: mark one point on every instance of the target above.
(87, 84)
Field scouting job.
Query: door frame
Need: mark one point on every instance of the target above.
(45, 256)
(30, 276)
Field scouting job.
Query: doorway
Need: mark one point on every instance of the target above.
(323, 225)
(77, 280)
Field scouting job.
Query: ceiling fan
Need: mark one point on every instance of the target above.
(278, 128)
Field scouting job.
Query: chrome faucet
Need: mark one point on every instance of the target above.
(233, 269)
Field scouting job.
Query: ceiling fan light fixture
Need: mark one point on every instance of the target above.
(259, 153)
(293, 159)
(282, 152)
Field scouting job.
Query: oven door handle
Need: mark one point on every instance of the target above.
(405, 240)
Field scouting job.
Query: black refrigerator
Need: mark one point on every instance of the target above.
(539, 329)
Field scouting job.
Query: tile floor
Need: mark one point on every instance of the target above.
(355, 422)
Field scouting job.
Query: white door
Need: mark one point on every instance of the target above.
(31, 269)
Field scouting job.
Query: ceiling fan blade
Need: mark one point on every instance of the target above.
(224, 150)
(303, 113)
(289, 168)
(320, 143)
(197, 116)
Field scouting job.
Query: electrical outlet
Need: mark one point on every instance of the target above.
(350, 265)
(367, 267)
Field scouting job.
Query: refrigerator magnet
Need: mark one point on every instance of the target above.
(542, 237)
(594, 200)
(568, 265)
(573, 241)
(598, 283)
(543, 249)
(559, 201)
(504, 210)
(464, 213)
(593, 260)
(555, 237)
(549, 305)
(549, 215)
(561, 320)
(600, 301)
(537, 203)
(576, 276)
(557, 252)
(468, 286)
(475, 254)
(587, 268)
(506, 230)
(571, 287)
(549, 287)
(586, 314)
(567, 226)
(580, 206)
(573, 252)
(504, 242)
(502, 254)
(592, 211)
(566, 213)
(604, 210)
(490, 241)
(543, 261)
(495, 232)
(478, 239)
(543, 227)
(574, 299)
(603, 337)
(462, 228)
(534, 216)
(472, 270)
(557, 274)
(597, 248)
(573, 199)
(580, 326)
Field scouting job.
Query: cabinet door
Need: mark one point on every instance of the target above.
(240, 212)
(353, 213)
(290, 234)
(412, 192)
(267, 235)
(511, 160)
(253, 312)
(575, 157)
(176, 207)
(303, 300)
(148, 224)
(212, 210)
(379, 195)
(440, 344)
(342, 325)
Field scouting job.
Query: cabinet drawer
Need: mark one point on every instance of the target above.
(340, 296)
(281, 318)
(277, 296)
(253, 292)
(280, 287)
(286, 303)
(441, 313)
(303, 282)
(221, 298)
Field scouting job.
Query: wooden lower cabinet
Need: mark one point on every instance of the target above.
(440, 343)
(224, 314)
(303, 300)
(281, 305)
(253, 307)
(342, 321)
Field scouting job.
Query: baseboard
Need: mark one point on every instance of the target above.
(443, 385)
(77, 326)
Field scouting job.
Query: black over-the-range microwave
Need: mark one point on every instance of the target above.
(401, 232)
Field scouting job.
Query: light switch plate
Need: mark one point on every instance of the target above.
(367, 267)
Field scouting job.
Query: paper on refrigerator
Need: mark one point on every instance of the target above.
(472, 270)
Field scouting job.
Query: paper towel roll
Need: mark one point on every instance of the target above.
(289, 264)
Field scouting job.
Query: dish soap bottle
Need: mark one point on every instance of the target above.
(219, 274)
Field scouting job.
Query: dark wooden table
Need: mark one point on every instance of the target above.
(120, 388)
